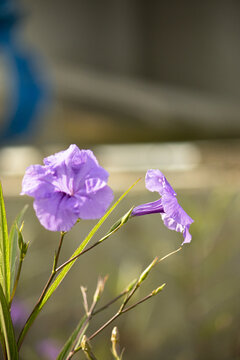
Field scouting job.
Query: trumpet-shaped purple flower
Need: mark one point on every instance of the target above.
(70, 185)
(173, 215)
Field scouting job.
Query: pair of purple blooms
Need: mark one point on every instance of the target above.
(72, 185)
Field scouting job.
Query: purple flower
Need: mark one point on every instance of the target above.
(173, 215)
(70, 185)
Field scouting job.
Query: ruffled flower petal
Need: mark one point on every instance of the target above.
(94, 205)
(73, 157)
(94, 184)
(173, 210)
(58, 212)
(187, 236)
(70, 185)
(73, 167)
(156, 181)
(37, 182)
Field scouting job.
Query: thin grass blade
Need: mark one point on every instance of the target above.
(13, 244)
(7, 328)
(71, 340)
(4, 250)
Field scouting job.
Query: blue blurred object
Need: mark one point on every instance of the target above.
(29, 92)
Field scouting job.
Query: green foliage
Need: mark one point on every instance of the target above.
(147, 271)
(4, 251)
(121, 221)
(7, 332)
(66, 269)
(23, 247)
(69, 343)
(14, 235)
(8, 254)
(8, 248)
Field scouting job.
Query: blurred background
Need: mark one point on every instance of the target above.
(145, 84)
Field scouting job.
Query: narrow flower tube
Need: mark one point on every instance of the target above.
(173, 215)
(148, 208)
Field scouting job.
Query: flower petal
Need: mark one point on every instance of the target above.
(172, 208)
(187, 236)
(59, 212)
(72, 157)
(94, 205)
(72, 167)
(94, 184)
(37, 182)
(175, 218)
(156, 181)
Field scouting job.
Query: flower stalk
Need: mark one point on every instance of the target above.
(16, 280)
(81, 338)
(142, 277)
(31, 318)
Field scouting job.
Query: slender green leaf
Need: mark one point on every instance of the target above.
(65, 270)
(4, 250)
(71, 340)
(7, 328)
(2, 339)
(13, 244)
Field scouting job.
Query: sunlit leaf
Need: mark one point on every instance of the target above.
(7, 328)
(71, 340)
(4, 250)
(13, 243)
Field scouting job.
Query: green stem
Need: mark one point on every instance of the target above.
(128, 297)
(89, 248)
(86, 348)
(122, 308)
(31, 318)
(77, 256)
(114, 317)
(120, 312)
(16, 280)
(170, 254)
(58, 251)
(4, 351)
(110, 303)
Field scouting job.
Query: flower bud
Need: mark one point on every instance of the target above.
(115, 339)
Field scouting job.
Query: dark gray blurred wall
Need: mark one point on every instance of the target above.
(194, 44)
